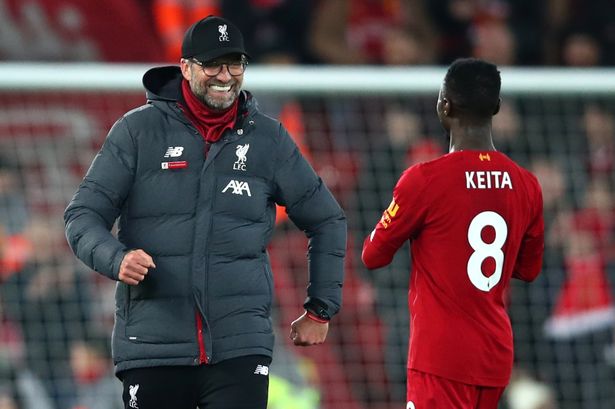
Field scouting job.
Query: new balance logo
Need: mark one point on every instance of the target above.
(238, 187)
(261, 370)
(174, 151)
(132, 390)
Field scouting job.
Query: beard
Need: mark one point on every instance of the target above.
(199, 89)
(217, 104)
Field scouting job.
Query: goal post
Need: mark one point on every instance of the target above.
(360, 127)
(309, 80)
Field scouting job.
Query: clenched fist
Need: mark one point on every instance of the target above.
(135, 266)
(304, 331)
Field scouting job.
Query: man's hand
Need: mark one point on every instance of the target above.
(305, 331)
(134, 267)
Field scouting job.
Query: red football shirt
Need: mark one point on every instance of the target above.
(474, 220)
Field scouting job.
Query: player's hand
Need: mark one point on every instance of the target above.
(135, 266)
(305, 331)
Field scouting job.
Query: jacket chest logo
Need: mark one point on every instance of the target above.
(241, 152)
(174, 152)
(238, 187)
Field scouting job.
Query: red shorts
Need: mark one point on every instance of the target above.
(426, 391)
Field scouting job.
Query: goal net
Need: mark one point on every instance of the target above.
(360, 128)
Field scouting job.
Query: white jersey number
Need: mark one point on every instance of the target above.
(484, 250)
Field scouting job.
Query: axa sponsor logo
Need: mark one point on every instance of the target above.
(238, 188)
(174, 151)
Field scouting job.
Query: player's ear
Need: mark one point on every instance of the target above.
(497, 106)
(447, 108)
(184, 65)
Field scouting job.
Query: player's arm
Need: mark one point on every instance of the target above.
(313, 209)
(398, 222)
(529, 260)
(93, 209)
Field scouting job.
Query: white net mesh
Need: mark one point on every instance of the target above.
(359, 141)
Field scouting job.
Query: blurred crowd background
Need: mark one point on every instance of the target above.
(56, 316)
(506, 32)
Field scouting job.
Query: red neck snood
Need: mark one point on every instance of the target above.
(211, 124)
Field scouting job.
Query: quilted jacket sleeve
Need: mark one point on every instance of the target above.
(313, 209)
(91, 213)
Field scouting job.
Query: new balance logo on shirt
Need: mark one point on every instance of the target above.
(261, 370)
(174, 151)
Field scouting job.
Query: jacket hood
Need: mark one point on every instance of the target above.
(164, 84)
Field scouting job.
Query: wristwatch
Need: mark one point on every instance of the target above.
(317, 308)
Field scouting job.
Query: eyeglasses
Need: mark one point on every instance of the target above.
(213, 68)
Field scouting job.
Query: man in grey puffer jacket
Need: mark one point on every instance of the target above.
(193, 178)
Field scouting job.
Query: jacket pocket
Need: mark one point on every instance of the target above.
(269, 279)
(160, 321)
(122, 300)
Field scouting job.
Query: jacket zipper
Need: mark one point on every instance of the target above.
(199, 326)
(203, 358)
(199, 319)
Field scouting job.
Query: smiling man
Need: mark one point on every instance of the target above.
(213, 62)
(193, 178)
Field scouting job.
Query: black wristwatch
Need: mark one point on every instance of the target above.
(316, 307)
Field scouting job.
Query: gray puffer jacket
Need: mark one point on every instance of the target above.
(206, 215)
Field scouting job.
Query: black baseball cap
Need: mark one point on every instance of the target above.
(212, 37)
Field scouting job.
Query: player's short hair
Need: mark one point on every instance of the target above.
(473, 87)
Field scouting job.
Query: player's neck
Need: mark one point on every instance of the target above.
(472, 137)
